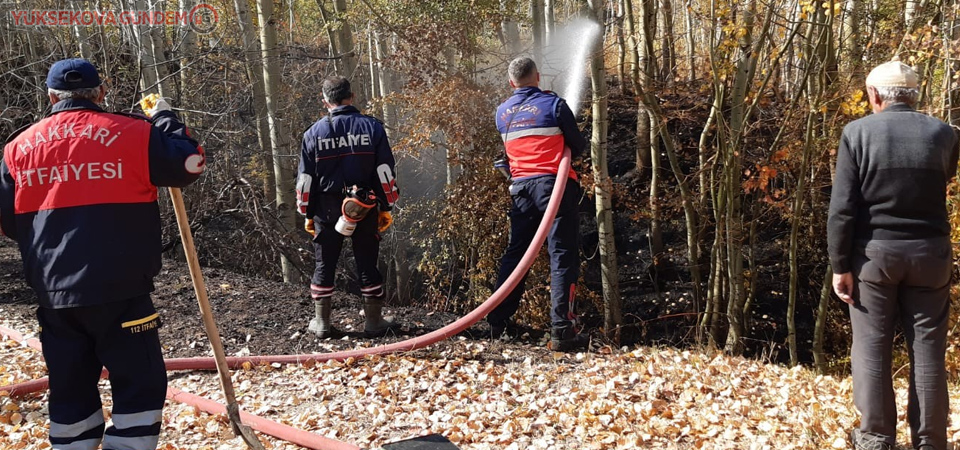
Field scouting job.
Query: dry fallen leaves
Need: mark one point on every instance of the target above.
(481, 398)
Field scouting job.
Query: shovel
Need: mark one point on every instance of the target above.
(209, 325)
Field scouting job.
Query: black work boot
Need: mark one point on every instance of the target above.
(505, 331)
(566, 339)
(320, 324)
(376, 325)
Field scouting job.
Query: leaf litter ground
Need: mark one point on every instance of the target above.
(479, 394)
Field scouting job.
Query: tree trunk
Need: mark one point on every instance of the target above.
(643, 154)
(549, 20)
(328, 27)
(254, 69)
(852, 57)
(795, 221)
(632, 48)
(668, 46)
(536, 26)
(399, 258)
(656, 235)
(952, 99)
(910, 12)
(703, 148)
(691, 43)
(819, 330)
(647, 55)
(509, 29)
(749, 51)
(80, 33)
(603, 190)
(345, 40)
(686, 199)
(282, 172)
(187, 52)
(375, 91)
(146, 50)
(621, 54)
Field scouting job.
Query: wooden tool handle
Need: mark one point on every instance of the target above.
(201, 290)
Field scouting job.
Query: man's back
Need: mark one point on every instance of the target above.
(81, 183)
(535, 125)
(902, 161)
(348, 148)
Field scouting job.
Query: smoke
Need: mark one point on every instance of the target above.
(564, 65)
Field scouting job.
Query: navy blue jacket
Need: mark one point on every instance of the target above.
(343, 149)
(535, 125)
(78, 194)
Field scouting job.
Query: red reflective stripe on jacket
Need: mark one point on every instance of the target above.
(535, 155)
(79, 158)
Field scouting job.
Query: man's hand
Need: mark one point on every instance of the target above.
(843, 286)
(308, 225)
(153, 104)
(384, 221)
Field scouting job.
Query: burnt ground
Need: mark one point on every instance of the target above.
(259, 316)
(254, 316)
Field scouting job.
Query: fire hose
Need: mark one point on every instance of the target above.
(414, 343)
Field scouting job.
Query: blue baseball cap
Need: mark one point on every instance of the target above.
(72, 74)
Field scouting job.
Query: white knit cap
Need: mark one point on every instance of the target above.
(892, 74)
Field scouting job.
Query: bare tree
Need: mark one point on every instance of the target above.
(603, 190)
(282, 171)
(253, 63)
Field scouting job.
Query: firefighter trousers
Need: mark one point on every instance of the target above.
(530, 198)
(328, 244)
(77, 344)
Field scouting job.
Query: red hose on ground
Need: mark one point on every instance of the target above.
(311, 440)
(279, 430)
(266, 426)
(33, 343)
(27, 387)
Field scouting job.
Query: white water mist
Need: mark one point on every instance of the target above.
(564, 65)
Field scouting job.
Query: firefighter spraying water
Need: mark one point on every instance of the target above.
(536, 126)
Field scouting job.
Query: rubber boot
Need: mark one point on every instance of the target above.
(566, 339)
(320, 324)
(376, 325)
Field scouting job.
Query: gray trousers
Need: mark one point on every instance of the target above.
(905, 282)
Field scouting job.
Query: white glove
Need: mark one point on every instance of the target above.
(152, 104)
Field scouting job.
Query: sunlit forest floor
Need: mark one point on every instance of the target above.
(496, 395)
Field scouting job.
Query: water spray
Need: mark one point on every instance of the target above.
(563, 69)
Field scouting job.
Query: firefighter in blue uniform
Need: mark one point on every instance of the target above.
(346, 187)
(535, 126)
(78, 194)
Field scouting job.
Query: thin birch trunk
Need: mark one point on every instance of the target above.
(668, 43)
(509, 29)
(254, 70)
(609, 270)
(283, 172)
(536, 26)
(819, 330)
(345, 40)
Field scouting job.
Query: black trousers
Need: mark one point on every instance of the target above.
(530, 198)
(328, 244)
(77, 344)
(905, 282)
